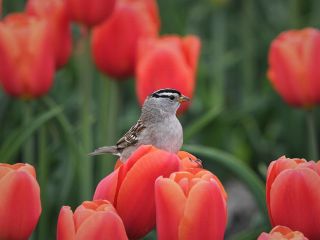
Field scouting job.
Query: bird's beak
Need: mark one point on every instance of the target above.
(183, 98)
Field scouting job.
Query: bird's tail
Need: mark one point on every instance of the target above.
(107, 149)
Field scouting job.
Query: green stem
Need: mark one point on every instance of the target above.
(107, 122)
(17, 138)
(219, 26)
(294, 9)
(28, 148)
(85, 71)
(248, 44)
(43, 174)
(312, 132)
(74, 153)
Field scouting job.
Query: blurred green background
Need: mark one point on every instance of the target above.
(236, 124)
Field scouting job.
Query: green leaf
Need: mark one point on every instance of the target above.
(202, 122)
(238, 170)
(16, 139)
(74, 154)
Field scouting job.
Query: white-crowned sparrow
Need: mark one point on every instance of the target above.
(157, 126)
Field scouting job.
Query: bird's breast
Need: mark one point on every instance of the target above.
(166, 135)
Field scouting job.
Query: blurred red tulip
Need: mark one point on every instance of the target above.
(20, 204)
(55, 12)
(26, 56)
(293, 195)
(131, 188)
(190, 206)
(168, 62)
(114, 43)
(282, 233)
(294, 59)
(90, 13)
(96, 220)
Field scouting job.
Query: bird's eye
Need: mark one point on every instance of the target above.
(171, 97)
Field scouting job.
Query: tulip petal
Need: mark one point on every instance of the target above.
(27, 61)
(294, 201)
(106, 188)
(205, 213)
(65, 228)
(163, 67)
(115, 41)
(55, 12)
(170, 203)
(20, 205)
(102, 225)
(191, 46)
(135, 202)
(274, 169)
(293, 59)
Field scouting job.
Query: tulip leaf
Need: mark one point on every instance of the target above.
(74, 151)
(238, 169)
(202, 122)
(16, 139)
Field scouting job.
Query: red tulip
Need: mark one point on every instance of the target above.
(131, 188)
(20, 204)
(168, 62)
(55, 12)
(293, 195)
(282, 233)
(96, 220)
(294, 59)
(189, 163)
(26, 56)
(90, 13)
(114, 42)
(190, 206)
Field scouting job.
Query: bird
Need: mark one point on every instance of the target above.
(158, 125)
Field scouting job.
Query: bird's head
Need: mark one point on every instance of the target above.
(168, 100)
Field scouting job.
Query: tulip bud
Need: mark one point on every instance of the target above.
(294, 71)
(26, 56)
(96, 220)
(190, 206)
(55, 12)
(131, 188)
(114, 42)
(293, 195)
(282, 233)
(167, 62)
(90, 13)
(20, 204)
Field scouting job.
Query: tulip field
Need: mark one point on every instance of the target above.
(74, 75)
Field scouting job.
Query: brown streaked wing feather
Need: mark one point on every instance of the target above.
(131, 137)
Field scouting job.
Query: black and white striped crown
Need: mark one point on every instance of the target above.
(166, 93)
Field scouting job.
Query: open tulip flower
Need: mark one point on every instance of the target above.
(96, 220)
(282, 233)
(90, 13)
(55, 12)
(20, 204)
(190, 206)
(294, 59)
(293, 195)
(131, 188)
(114, 42)
(26, 55)
(167, 62)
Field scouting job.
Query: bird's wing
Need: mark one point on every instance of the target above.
(131, 137)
